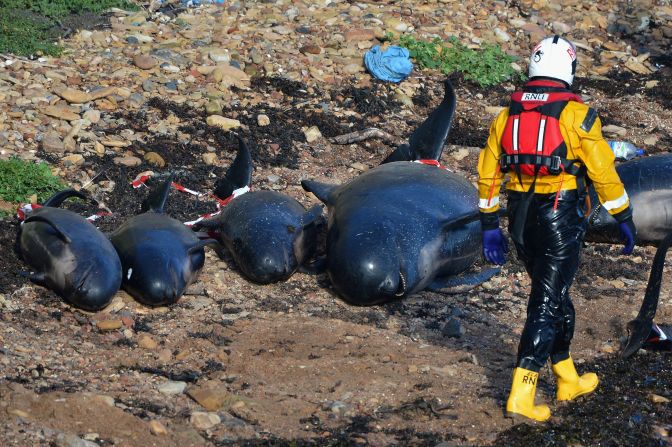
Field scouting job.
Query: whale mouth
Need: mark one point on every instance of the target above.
(401, 290)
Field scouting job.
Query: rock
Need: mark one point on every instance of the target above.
(148, 85)
(109, 325)
(396, 25)
(359, 166)
(213, 107)
(66, 440)
(501, 35)
(614, 130)
(128, 160)
(92, 115)
(52, 143)
(209, 158)
(73, 160)
(213, 399)
(263, 120)
(494, 110)
(312, 134)
(651, 84)
(157, 428)
(633, 64)
(358, 34)
(171, 388)
(204, 421)
(310, 49)
(453, 328)
(147, 342)
(154, 159)
(656, 399)
(144, 61)
(73, 96)
(460, 154)
(218, 56)
(224, 123)
(60, 113)
(560, 27)
(19, 413)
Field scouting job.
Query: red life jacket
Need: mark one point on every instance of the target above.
(532, 143)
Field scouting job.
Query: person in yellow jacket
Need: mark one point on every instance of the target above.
(550, 144)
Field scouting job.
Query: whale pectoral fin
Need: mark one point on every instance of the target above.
(314, 267)
(57, 199)
(239, 173)
(456, 222)
(321, 190)
(59, 231)
(313, 216)
(156, 200)
(460, 284)
(640, 327)
(38, 278)
(207, 224)
(212, 243)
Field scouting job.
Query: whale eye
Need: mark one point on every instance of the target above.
(291, 228)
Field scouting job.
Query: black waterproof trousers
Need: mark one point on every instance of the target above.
(549, 246)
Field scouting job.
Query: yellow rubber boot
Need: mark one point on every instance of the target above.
(570, 384)
(521, 399)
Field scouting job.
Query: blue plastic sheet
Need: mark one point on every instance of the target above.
(393, 64)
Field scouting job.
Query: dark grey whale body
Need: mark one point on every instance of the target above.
(402, 226)
(269, 235)
(70, 255)
(648, 182)
(160, 256)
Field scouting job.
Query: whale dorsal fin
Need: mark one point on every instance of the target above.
(239, 173)
(427, 141)
(57, 199)
(156, 200)
(321, 190)
(57, 229)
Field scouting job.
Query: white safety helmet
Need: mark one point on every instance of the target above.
(554, 57)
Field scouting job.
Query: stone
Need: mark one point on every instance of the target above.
(218, 56)
(147, 342)
(636, 66)
(561, 27)
(52, 143)
(128, 160)
(263, 120)
(359, 166)
(155, 159)
(656, 399)
(358, 34)
(204, 421)
(73, 160)
(651, 84)
(614, 130)
(144, 61)
(109, 325)
(501, 35)
(453, 328)
(73, 96)
(224, 123)
(213, 398)
(310, 49)
(312, 134)
(213, 107)
(157, 428)
(66, 440)
(60, 113)
(171, 388)
(92, 115)
(209, 158)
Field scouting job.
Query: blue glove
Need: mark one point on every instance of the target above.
(628, 235)
(495, 246)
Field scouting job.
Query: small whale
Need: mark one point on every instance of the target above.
(160, 256)
(69, 254)
(403, 226)
(269, 235)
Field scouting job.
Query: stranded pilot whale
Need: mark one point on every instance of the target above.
(160, 256)
(402, 227)
(648, 182)
(69, 254)
(269, 235)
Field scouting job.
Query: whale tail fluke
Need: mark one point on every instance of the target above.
(57, 199)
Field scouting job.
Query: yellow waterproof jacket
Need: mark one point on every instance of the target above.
(588, 146)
